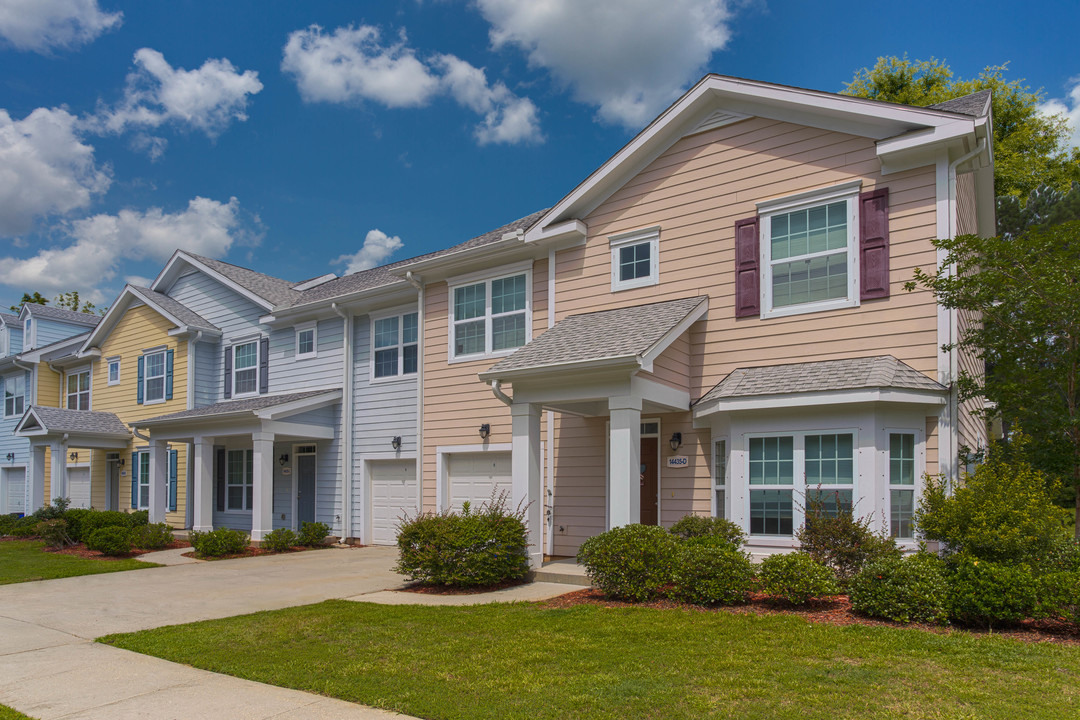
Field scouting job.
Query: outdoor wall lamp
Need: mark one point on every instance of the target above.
(120, 462)
(73, 457)
(676, 441)
(11, 457)
(283, 460)
(395, 442)
(485, 431)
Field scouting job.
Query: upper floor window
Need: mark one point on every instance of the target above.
(306, 339)
(394, 345)
(14, 395)
(154, 377)
(490, 317)
(635, 260)
(78, 390)
(245, 368)
(114, 371)
(29, 336)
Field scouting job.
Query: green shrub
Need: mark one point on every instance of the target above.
(24, 526)
(796, 577)
(711, 574)
(54, 533)
(470, 549)
(7, 523)
(111, 540)
(1064, 556)
(74, 518)
(151, 537)
(987, 594)
(137, 518)
(219, 542)
(911, 589)
(313, 534)
(1003, 512)
(842, 542)
(632, 562)
(698, 526)
(279, 540)
(1059, 596)
(54, 511)
(97, 519)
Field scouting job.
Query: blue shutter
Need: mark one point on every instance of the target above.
(135, 468)
(168, 374)
(139, 388)
(172, 479)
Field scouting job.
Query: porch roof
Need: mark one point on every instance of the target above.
(247, 406)
(39, 420)
(634, 334)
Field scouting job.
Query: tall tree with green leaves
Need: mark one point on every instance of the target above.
(1030, 149)
(37, 299)
(70, 301)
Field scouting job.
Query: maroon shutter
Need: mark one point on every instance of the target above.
(874, 244)
(228, 373)
(747, 271)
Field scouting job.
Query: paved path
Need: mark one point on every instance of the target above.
(50, 668)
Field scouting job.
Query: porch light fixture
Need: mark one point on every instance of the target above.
(73, 457)
(283, 460)
(395, 442)
(676, 441)
(485, 431)
(11, 457)
(120, 462)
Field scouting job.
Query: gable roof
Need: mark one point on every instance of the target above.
(173, 308)
(245, 406)
(272, 289)
(185, 319)
(8, 318)
(976, 104)
(49, 420)
(628, 334)
(45, 312)
(66, 347)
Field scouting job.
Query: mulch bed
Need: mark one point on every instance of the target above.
(830, 611)
(80, 550)
(450, 590)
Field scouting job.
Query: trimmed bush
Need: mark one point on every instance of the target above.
(151, 537)
(842, 542)
(97, 519)
(137, 518)
(796, 577)
(1059, 596)
(24, 526)
(471, 549)
(8, 523)
(54, 533)
(911, 589)
(112, 540)
(313, 534)
(74, 518)
(698, 526)
(279, 540)
(1064, 556)
(632, 562)
(54, 511)
(711, 574)
(219, 542)
(988, 594)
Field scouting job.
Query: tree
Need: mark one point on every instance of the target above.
(1025, 286)
(70, 301)
(36, 299)
(1030, 149)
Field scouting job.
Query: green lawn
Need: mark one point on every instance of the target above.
(7, 713)
(526, 661)
(23, 560)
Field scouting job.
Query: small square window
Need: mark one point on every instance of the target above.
(634, 259)
(306, 342)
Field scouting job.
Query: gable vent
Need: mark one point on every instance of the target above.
(720, 118)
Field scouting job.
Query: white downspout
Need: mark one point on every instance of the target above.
(419, 285)
(496, 389)
(346, 423)
(550, 464)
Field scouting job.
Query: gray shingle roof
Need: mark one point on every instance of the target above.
(230, 407)
(55, 313)
(90, 422)
(274, 290)
(174, 307)
(9, 319)
(883, 371)
(623, 332)
(975, 104)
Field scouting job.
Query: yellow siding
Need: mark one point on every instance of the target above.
(48, 387)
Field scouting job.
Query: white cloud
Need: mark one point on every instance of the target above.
(377, 247)
(351, 64)
(102, 242)
(44, 168)
(138, 280)
(207, 99)
(1069, 108)
(41, 25)
(630, 58)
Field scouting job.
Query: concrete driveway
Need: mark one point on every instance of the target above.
(50, 669)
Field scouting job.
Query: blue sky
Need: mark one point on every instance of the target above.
(305, 138)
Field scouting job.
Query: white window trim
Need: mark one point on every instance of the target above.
(314, 328)
(237, 511)
(848, 192)
(716, 480)
(144, 478)
(108, 371)
(798, 486)
(7, 379)
(487, 278)
(399, 313)
(258, 360)
(89, 386)
(146, 374)
(917, 487)
(636, 237)
(29, 334)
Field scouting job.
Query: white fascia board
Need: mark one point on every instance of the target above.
(359, 302)
(36, 355)
(834, 397)
(470, 259)
(303, 430)
(561, 369)
(570, 231)
(331, 397)
(672, 335)
(954, 130)
(658, 393)
(30, 415)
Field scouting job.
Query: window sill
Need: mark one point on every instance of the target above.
(483, 356)
(391, 378)
(805, 308)
(154, 402)
(619, 286)
(307, 356)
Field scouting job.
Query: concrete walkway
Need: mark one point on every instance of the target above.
(531, 592)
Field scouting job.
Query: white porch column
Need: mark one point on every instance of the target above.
(203, 484)
(35, 475)
(526, 468)
(159, 480)
(262, 503)
(57, 470)
(624, 463)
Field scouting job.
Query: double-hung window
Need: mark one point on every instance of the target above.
(14, 395)
(830, 472)
(144, 479)
(635, 259)
(239, 488)
(901, 485)
(154, 377)
(771, 470)
(720, 478)
(306, 339)
(114, 371)
(490, 317)
(394, 341)
(78, 390)
(245, 368)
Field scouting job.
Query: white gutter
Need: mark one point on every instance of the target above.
(346, 423)
(419, 285)
(496, 389)
(138, 434)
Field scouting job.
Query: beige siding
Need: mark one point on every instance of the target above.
(580, 481)
(672, 367)
(972, 427)
(967, 222)
(932, 467)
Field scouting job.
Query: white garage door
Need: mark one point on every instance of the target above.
(79, 487)
(473, 476)
(393, 493)
(13, 490)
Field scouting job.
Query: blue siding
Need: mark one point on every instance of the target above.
(287, 374)
(8, 441)
(208, 383)
(50, 331)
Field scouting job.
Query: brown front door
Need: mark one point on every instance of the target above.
(648, 481)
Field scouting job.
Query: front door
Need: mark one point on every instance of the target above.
(305, 488)
(112, 500)
(648, 480)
